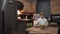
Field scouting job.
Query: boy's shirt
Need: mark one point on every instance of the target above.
(42, 21)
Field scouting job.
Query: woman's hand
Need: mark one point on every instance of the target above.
(19, 18)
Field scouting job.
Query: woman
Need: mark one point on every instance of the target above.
(21, 25)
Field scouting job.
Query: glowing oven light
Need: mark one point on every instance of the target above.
(22, 11)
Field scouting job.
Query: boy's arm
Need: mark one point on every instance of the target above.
(38, 22)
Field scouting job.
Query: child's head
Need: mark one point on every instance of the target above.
(42, 14)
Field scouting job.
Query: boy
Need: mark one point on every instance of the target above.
(42, 21)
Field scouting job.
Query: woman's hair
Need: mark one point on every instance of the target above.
(20, 5)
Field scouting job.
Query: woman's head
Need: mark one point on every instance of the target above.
(20, 5)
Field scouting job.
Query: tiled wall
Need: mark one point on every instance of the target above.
(55, 6)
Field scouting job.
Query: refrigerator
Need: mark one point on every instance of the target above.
(8, 17)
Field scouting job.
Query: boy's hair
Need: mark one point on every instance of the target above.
(20, 5)
(41, 12)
